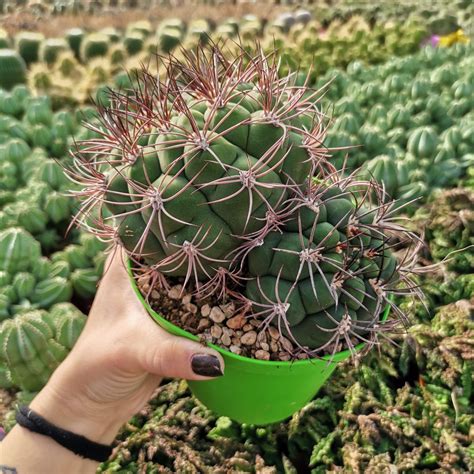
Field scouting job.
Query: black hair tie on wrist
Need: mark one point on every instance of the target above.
(78, 444)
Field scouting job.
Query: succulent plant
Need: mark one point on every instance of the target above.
(220, 175)
(94, 45)
(74, 38)
(12, 69)
(28, 45)
(19, 250)
(51, 48)
(34, 343)
(28, 348)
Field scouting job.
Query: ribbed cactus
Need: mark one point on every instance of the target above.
(28, 349)
(34, 343)
(12, 69)
(133, 42)
(74, 38)
(220, 179)
(28, 45)
(52, 48)
(18, 249)
(93, 46)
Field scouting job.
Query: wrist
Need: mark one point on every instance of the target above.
(76, 413)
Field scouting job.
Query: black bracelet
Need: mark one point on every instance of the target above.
(78, 444)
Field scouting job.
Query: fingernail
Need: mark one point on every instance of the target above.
(207, 365)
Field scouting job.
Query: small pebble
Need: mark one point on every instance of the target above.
(192, 308)
(186, 299)
(203, 324)
(216, 331)
(247, 327)
(286, 344)
(262, 355)
(236, 322)
(274, 334)
(225, 340)
(235, 349)
(205, 310)
(217, 315)
(265, 346)
(255, 323)
(274, 346)
(228, 309)
(155, 295)
(175, 292)
(249, 338)
(262, 337)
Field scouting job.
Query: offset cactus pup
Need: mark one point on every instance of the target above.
(216, 178)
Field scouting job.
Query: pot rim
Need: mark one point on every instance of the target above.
(337, 357)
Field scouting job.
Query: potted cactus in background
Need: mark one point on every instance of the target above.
(239, 231)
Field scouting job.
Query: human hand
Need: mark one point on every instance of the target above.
(117, 363)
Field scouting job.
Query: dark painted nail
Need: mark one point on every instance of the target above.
(207, 365)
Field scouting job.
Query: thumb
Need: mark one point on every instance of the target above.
(171, 356)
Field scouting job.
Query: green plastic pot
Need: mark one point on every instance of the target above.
(257, 391)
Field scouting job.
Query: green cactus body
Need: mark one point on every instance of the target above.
(23, 284)
(28, 45)
(84, 281)
(133, 43)
(51, 291)
(50, 172)
(422, 142)
(51, 49)
(383, 169)
(168, 39)
(29, 350)
(19, 250)
(93, 46)
(57, 206)
(67, 323)
(38, 111)
(221, 187)
(74, 38)
(12, 69)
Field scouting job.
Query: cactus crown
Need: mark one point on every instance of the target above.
(218, 175)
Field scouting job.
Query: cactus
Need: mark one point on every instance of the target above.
(74, 38)
(52, 48)
(168, 39)
(84, 281)
(93, 46)
(422, 142)
(51, 291)
(28, 349)
(67, 322)
(35, 342)
(28, 45)
(220, 187)
(133, 43)
(19, 250)
(12, 69)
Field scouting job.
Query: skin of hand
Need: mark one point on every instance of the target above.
(112, 371)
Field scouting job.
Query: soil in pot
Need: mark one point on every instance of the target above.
(225, 325)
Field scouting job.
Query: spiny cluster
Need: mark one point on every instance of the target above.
(218, 175)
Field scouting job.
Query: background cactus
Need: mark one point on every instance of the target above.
(93, 46)
(12, 69)
(28, 45)
(220, 168)
(33, 344)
